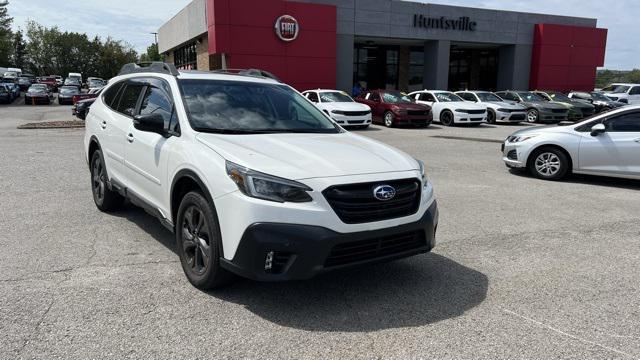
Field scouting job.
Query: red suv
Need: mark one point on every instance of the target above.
(51, 82)
(391, 108)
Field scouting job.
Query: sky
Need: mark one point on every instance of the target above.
(134, 20)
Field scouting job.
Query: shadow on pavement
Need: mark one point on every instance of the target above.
(589, 180)
(413, 292)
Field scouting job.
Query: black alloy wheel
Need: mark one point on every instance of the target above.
(198, 240)
(105, 199)
(491, 117)
(446, 118)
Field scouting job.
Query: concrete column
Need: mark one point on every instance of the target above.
(436, 64)
(403, 68)
(344, 62)
(514, 67)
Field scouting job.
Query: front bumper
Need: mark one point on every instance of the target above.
(515, 155)
(515, 116)
(466, 118)
(345, 120)
(413, 119)
(303, 251)
(550, 116)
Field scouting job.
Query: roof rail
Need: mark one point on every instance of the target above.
(151, 66)
(249, 72)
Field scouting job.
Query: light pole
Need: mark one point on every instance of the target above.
(155, 34)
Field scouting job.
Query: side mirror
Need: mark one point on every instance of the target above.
(150, 123)
(598, 129)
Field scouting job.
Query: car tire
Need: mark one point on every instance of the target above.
(388, 119)
(198, 242)
(533, 116)
(491, 117)
(549, 163)
(446, 118)
(106, 200)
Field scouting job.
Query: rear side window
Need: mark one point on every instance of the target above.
(156, 101)
(110, 95)
(624, 123)
(129, 99)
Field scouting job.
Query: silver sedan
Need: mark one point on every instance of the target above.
(605, 144)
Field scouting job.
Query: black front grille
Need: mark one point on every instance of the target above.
(356, 251)
(355, 203)
(355, 113)
(417, 112)
(517, 117)
(476, 111)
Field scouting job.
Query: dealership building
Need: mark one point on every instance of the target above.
(387, 44)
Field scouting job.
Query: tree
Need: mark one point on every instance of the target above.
(152, 54)
(51, 51)
(19, 49)
(5, 34)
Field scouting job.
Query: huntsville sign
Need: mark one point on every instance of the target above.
(462, 23)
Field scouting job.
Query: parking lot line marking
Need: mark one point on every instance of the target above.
(467, 138)
(549, 327)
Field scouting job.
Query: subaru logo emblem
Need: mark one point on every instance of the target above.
(384, 192)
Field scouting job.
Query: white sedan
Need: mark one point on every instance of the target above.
(497, 108)
(607, 144)
(341, 107)
(451, 109)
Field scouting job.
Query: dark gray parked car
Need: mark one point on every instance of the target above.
(599, 100)
(66, 94)
(538, 109)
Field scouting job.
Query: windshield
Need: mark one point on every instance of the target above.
(395, 97)
(335, 96)
(68, 90)
(556, 96)
(487, 96)
(38, 88)
(246, 107)
(71, 81)
(529, 96)
(447, 97)
(616, 88)
(599, 97)
(95, 83)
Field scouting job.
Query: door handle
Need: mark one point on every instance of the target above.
(103, 125)
(130, 137)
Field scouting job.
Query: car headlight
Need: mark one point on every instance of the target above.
(427, 187)
(626, 101)
(503, 110)
(461, 110)
(339, 112)
(520, 138)
(266, 187)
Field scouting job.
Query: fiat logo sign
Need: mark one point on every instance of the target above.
(287, 28)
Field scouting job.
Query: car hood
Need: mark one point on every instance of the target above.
(576, 103)
(545, 104)
(410, 106)
(304, 156)
(346, 106)
(466, 105)
(506, 105)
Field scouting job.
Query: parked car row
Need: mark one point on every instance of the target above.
(391, 107)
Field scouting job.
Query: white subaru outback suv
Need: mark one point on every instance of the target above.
(251, 177)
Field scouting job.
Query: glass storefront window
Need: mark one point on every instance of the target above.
(416, 68)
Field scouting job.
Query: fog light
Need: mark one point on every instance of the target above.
(268, 262)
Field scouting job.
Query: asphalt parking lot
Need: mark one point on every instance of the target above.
(523, 268)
